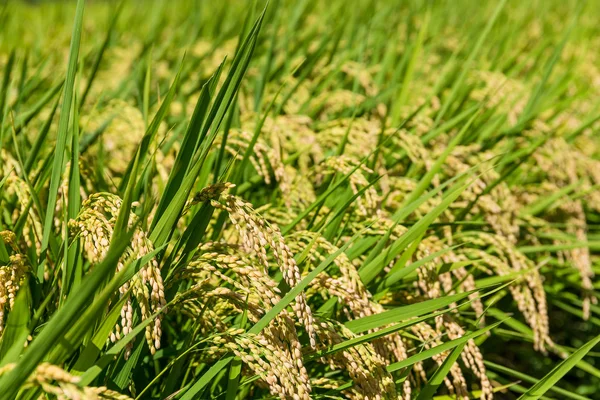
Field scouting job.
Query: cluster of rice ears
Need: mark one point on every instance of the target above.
(299, 200)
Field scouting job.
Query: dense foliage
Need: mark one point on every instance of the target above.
(364, 199)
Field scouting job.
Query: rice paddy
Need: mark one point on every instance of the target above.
(299, 200)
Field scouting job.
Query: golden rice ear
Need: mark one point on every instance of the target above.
(12, 276)
(269, 360)
(120, 136)
(94, 226)
(362, 363)
(56, 382)
(367, 203)
(256, 234)
(528, 292)
(276, 353)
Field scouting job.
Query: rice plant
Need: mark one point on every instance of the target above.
(331, 200)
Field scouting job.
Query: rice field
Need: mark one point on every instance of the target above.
(230, 200)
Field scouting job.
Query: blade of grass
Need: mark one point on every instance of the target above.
(61, 143)
(440, 374)
(554, 376)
